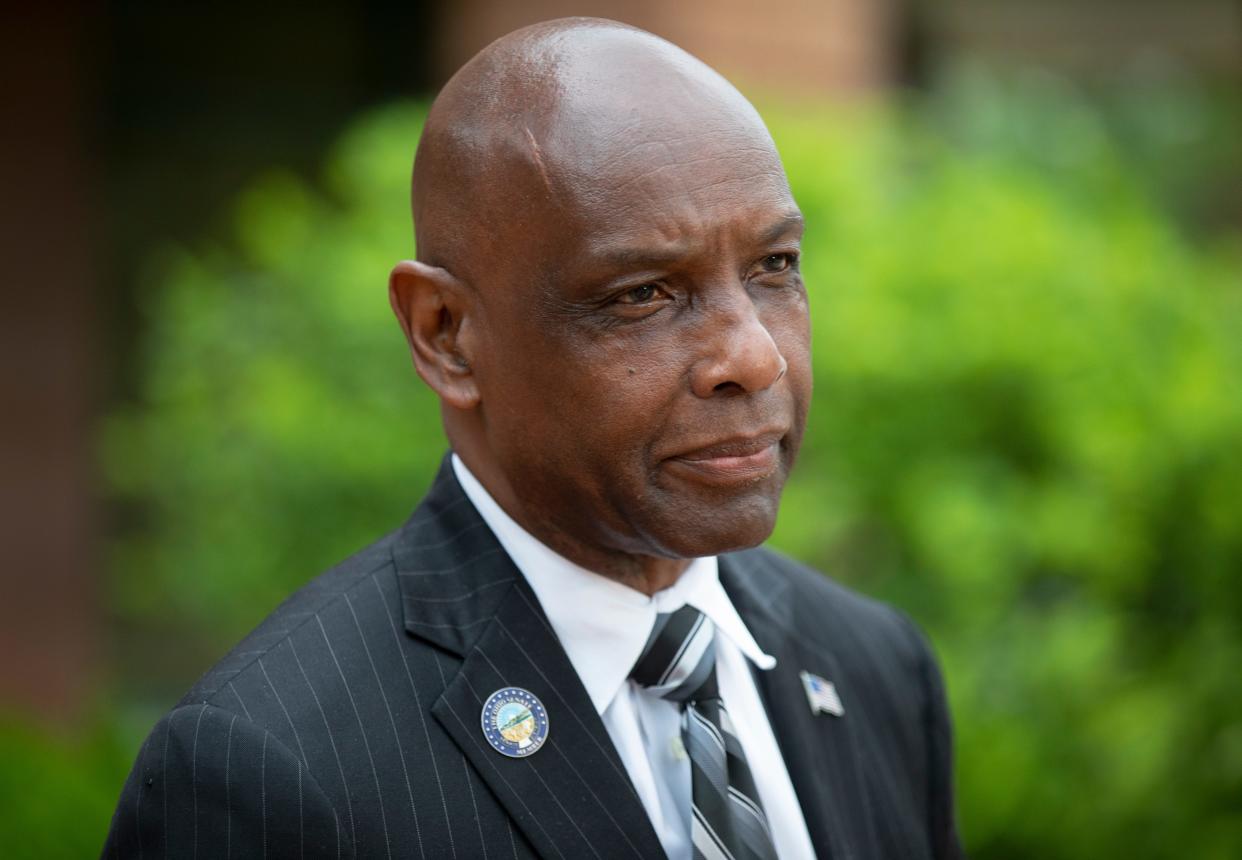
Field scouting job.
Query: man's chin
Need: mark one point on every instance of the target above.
(697, 531)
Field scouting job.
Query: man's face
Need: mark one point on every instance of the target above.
(646, 374)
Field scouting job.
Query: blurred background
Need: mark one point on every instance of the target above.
(1025, 262)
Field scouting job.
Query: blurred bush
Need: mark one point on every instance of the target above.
(282, 425)
(1026, 432)
(57, 791)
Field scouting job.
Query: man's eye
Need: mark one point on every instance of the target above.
(639, 295)
(776, 263)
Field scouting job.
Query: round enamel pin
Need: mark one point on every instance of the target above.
(515, 722)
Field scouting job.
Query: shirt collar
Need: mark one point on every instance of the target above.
(602, 624)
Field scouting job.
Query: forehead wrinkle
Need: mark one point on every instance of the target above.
(673, 147)
(710, 184)
(681, 204)
(685, 133)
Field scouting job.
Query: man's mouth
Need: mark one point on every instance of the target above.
(731, 460)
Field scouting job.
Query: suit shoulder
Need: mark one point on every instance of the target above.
(198, 770)
(777, 572)
(299, 608)
(831, 609)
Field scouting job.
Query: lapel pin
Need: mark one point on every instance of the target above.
(515, 722)
(822, 695)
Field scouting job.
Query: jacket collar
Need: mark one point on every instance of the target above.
(821, 752)
(452, 572)
(462, 593)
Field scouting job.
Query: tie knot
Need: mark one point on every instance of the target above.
(679, 660)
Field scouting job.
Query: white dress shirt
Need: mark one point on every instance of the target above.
(603, 625)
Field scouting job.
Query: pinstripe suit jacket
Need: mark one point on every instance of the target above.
(348, 723)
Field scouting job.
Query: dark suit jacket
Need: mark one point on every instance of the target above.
(348, 723)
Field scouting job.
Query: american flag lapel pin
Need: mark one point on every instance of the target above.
(822, 695)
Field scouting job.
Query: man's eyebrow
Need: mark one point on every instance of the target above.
(643, 258)
(639, 257)
(790, 222)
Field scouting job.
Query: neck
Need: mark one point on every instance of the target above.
(644, 573)
(641, 572)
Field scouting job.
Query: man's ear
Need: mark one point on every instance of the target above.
(433, 309)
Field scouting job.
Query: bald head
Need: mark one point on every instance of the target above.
(534, 125)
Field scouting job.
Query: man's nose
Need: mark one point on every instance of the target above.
(739, 354)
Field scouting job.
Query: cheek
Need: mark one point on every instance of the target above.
(790, 327)
(788, 320)
(600, 394)
(798, 349)
(624, 393)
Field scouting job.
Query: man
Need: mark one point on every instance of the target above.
(569, 650)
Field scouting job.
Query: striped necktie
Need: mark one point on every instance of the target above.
(679, 663)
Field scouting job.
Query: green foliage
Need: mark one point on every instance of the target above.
(1025, 432)
(57, 791)
(282, 426)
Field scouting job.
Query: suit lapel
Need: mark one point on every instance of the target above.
(461, 591)
(821, 752)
